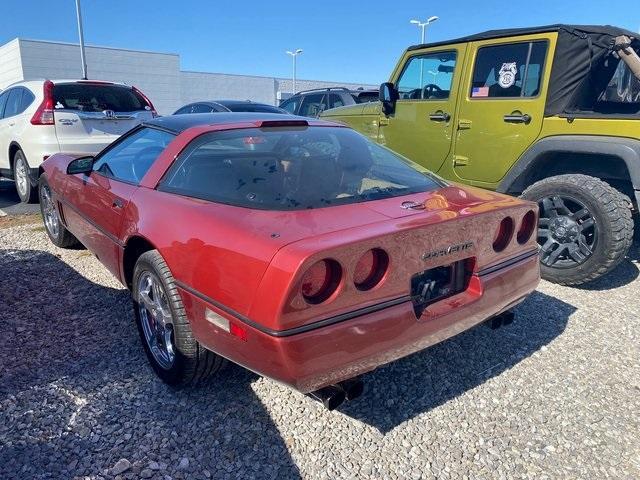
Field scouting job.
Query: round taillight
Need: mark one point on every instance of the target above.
(370, 269)
(320, 281)
(527, 226)
(503, 234)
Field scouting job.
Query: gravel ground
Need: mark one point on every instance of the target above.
(554, 395)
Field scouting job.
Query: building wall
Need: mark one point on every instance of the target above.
(10, 63)
(158, 75)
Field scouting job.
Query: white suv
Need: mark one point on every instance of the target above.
(40, 118)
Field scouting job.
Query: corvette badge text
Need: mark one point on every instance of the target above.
(460, 247)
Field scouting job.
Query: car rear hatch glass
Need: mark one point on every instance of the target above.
(87, 113)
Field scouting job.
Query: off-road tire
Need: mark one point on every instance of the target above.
(63, 238)
(192, 363)
(612, 215)
(30, 192)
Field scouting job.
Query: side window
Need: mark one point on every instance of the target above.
(13, 102)
(335, 101)
(290, 105)
(27, 99)
(130, 158)
(312, 105)
(184, 110)
(510, 70)
(201, 108)
(3, 102)
(427, 77)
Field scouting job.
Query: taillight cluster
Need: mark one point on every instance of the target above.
(504, 232)
(323, 278)
(44, 113)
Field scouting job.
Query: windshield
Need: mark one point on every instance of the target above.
(292, 168)
(86, 97)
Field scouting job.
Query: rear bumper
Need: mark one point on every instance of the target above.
(329, 354)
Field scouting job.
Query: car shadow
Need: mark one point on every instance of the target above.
(78, 394)
(421, 382)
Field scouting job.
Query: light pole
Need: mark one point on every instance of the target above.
(423, 26)
(81, 35)
(294, 54)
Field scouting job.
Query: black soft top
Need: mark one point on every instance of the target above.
(580, 51)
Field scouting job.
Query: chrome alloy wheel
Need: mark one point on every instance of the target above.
(156, 319)
(21, 177)
(49, 212)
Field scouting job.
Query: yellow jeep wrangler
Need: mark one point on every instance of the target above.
(550, 113)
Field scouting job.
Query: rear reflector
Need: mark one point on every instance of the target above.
(503, 234)
(527, 226)
(370, 269)
(320, 281)
(226, 325)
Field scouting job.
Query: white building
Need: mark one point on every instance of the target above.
(158, 75)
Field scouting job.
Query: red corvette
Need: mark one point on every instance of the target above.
(296, 248)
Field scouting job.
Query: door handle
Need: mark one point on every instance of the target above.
(117, 203)
(439, 116)
(518, 117)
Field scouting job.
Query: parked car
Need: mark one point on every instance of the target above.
(309, 103)
(228, 106)
(298, 249)
(43, 117)
(550, 113)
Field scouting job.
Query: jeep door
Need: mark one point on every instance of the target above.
(502, 105)
(421, 126)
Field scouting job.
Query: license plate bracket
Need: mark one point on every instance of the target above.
(438, 283)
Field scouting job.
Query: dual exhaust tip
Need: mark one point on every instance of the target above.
(334, 395)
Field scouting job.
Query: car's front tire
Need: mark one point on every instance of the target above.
(175, 355)
(27, 191)
(585, 227)
(58, 234)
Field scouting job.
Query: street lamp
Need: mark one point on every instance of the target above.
(294, 54)
(81, 37)
(423, 25)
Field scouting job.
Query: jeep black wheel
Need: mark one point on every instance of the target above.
(585, 227)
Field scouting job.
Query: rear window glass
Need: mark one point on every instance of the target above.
(292, 169)
(97, 98)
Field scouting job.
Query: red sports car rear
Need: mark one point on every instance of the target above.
(297, 249)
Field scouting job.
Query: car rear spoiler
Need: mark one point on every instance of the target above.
(628, 54)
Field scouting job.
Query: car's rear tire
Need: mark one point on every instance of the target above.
(27, 191)
(175, 355)
(58, 234)
(585, 227)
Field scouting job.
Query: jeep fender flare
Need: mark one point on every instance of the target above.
(626, 149)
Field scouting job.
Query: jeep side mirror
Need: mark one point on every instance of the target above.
(388, 95)
(80, 165)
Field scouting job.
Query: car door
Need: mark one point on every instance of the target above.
(96, 204)
(503, 106)
(422, 125)
(4, 136)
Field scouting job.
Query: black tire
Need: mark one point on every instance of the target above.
(60, 236)
(192, 362)
(609, 238)
(27, 191)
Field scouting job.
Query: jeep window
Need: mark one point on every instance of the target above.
(509, 70)
(623, 88)
(427, 77)
(292, 169)
(312, 105)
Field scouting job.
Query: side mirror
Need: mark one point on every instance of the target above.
(388, 95)
(80, 165)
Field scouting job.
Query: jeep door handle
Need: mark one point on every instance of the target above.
(439, 116)
(518, 117)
